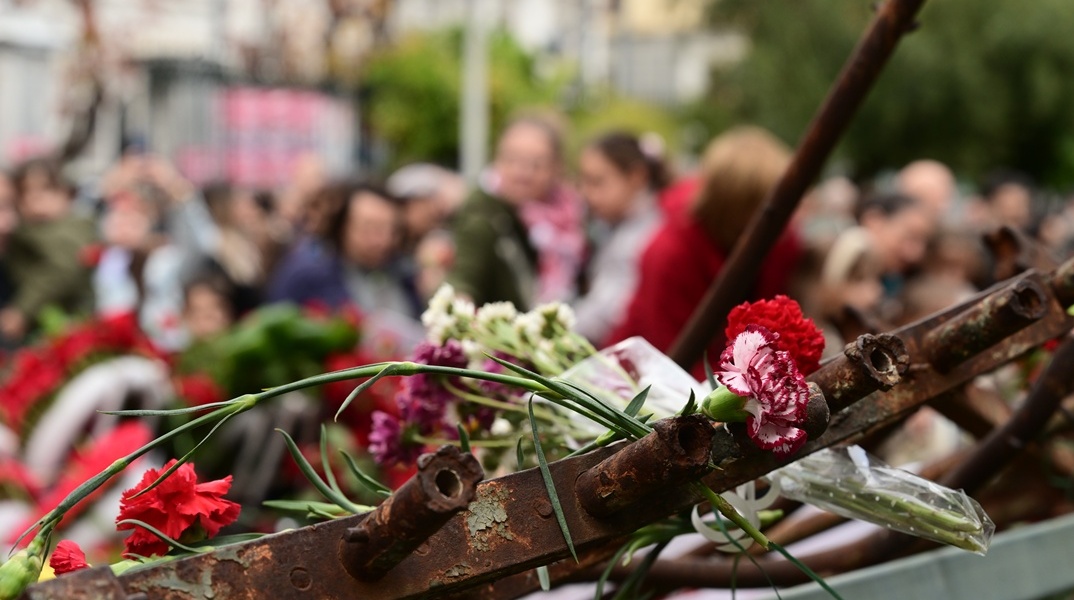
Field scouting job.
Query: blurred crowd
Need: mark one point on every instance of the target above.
(630, 244)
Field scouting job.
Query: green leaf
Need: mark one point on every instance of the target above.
(518, 454)
(167, 412)
(710, 375)
(553, 497)
(691, 405)
(805, 569)
(631, 586)
(309, 506)
(364, 478)
(328, 474)
(599, 595)
(311, 474)
(635, 404)
(464, 439)
(543, 577)
(388, 370)
(184, 459)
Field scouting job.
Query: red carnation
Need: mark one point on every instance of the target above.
(175, 507)
(798, 336)
(67, 557)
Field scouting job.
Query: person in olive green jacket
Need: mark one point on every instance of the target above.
(46, 255)
(494, 259)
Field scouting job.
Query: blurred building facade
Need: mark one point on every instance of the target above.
(226, 88)
(626, 44)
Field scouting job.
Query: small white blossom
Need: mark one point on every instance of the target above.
(439, 305)
(529, 325)
(501, 427)
(495, 311)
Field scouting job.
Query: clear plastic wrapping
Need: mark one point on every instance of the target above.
(851, 483)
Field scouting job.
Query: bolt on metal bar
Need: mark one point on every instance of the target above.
(677, 451)
(445, 484)
(985, 324)
(869, 363)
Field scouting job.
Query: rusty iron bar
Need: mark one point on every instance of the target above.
(677, 451)
(985, 324)
(894, 18)
(445, 484)
(1063, 283)
(873, 362)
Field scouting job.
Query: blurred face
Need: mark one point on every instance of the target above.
(901, 239)
(1012, 205)
(42, 201)
(127, 224)
(526, 164)
(9, 219)
(207, 313)
(422, 215)
(863, 294)
(608, 191)
(370, 234)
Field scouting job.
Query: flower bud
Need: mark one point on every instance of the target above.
(725, 406)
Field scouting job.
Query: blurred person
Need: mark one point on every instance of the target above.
(846, 277)
(46, 251)
(308, 176)
(157, 233)
(430, 195)
(519, 237)
(932, 184)
(9, 220)
(1009, 198)
(619, 182)
(208, 309)
(825, 211)
(899, 229)
(433, 259)
(355, 262)
(239, 218)
(689, 250)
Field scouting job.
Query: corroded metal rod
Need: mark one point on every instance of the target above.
(872, 362)
(677, 451)
(894, 18)
(985, 324)
(445, 484)
(1063, 283)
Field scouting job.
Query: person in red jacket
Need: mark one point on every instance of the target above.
(704, 220)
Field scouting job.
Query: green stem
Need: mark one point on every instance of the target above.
(719, 503)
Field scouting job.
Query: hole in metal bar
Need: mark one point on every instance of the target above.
(448, 483)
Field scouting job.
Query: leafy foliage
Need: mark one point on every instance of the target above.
(980, 84)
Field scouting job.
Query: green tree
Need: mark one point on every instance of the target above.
(979, 85)
(411, 93)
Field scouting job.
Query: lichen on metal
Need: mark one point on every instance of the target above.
(487, 517)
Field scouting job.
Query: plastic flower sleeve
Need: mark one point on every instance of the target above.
(851, 483)
(619, 372)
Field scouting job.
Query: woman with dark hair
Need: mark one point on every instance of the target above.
(619, 181)
(354, 260)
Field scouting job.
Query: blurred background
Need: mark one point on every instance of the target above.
(204, 198)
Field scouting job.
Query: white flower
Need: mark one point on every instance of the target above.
(439, 305)
(495, 311)
(565, 316)
(501, 427)
(529, 326)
